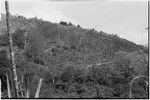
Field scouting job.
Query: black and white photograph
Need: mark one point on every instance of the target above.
(74, 49)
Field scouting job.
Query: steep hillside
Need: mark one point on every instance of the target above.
(61, 38)
(61, 52)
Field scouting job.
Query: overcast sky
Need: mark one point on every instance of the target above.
(127, 19)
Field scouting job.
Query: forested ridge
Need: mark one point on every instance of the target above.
(73, 62)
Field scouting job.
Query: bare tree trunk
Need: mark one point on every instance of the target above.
(0, 89)
(53, 80)
(25, 37)
(27, 89)
(38, 89)
(10, 72)
(8, 86)
(12, 56)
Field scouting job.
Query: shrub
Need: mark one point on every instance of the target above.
(63, 23)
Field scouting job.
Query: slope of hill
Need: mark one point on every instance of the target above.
(61, 53)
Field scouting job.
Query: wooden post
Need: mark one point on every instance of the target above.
(12, 56)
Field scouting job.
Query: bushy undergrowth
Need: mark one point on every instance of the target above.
(60, 55)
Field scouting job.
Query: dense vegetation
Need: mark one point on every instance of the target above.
(68, 59)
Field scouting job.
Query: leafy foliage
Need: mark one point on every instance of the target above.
(61, 56)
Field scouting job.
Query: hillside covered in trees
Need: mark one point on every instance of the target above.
(72, 61)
